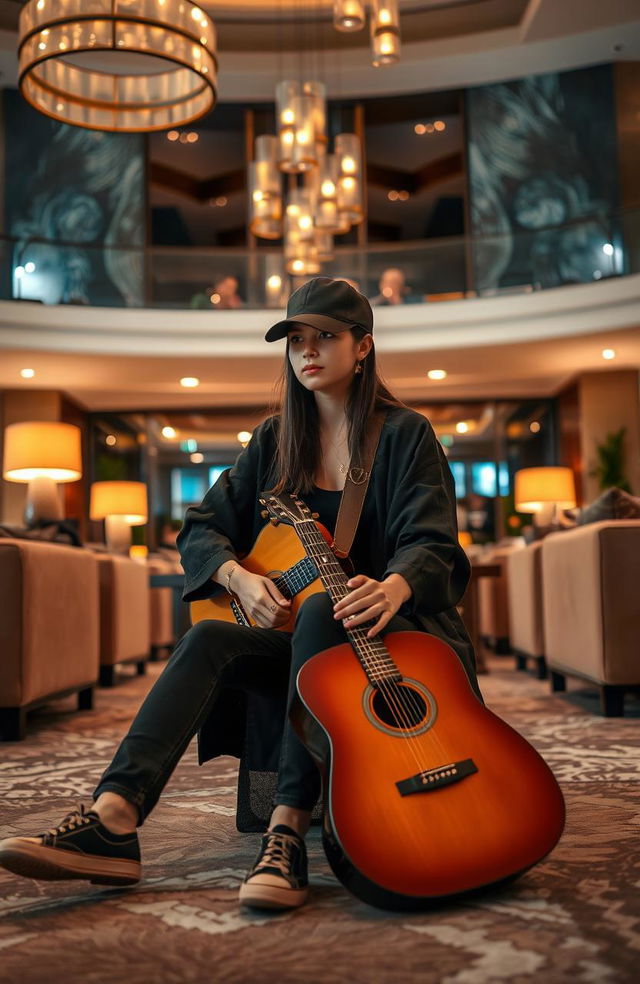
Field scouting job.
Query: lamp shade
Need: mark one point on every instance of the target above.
(126, 499)
(536, 487)
(41, 448)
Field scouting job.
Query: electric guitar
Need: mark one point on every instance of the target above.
(279, 556)
(427, 794)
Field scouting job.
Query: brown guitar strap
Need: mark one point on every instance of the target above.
(355, 489)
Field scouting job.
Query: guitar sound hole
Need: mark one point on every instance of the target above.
(399, 706)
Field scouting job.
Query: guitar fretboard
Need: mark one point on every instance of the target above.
(375, 658)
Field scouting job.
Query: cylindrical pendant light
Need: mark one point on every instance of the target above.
(347, 148)
(59, 41)
(286, 92)
(326, 208)
(348, 15)
(385, 32)
(265, 204)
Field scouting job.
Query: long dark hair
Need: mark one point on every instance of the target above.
(299, 432)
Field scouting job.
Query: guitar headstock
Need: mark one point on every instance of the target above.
(285, 508)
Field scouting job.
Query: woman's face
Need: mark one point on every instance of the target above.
(322, 361)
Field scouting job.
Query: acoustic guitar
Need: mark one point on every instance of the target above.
(279, 556)
(427, 794)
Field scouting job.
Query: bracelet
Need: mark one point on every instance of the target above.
(229, 576)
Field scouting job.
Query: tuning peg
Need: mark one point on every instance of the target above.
(315, 515)
(261, 501)
(264, 513)
(274, 521)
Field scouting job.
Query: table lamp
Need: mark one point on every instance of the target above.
(121, 505)
(543, 491)
(42, 453)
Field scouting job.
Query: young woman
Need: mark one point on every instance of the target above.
(411, 573)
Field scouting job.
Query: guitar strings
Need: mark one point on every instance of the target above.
(395, 696)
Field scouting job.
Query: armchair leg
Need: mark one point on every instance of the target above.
(141, 667)
(85, 699)
(612, 700)
(106, 676)
(541, 665)
(13, 723)
(521, 660)
(558, 681)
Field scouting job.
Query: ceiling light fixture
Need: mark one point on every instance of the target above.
(27, 373)
(169, 432)
(437, 374)
(63, 50)
(189, 382)
(462, 427)
(608, 353)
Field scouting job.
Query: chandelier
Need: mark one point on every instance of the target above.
(122, 65)
(324, 193)
(384, 25)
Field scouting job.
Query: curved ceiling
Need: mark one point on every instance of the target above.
(446, 44)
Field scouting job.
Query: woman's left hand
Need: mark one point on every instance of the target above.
(371, 599)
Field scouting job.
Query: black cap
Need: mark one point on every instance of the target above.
(332, 305)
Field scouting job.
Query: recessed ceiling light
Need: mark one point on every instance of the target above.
(420, 128)
(27, 373)
(169, 432)
(244, 437)
(439, 125)
(437, 374)
(535, 426)
(462, 427)
(111, 439)
(608, 353)
(189, 382)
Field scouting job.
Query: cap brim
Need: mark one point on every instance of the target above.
(312, 320)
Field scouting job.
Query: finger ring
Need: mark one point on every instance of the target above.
(273, 608)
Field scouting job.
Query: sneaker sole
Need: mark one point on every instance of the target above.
(54, 864)
(271, 897)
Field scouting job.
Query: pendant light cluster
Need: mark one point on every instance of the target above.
(324, 194)
(384, 25)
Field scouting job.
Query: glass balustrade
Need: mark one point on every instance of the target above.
(592, 248)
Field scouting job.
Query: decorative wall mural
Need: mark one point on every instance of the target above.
(542, 171)
(80, 187)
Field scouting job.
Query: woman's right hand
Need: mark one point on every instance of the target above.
(260, 599)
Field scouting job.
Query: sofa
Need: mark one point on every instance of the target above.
(125, 635)
(49, 628)
(591, 608)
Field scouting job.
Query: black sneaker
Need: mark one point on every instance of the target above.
(80, 847)
(278, 879)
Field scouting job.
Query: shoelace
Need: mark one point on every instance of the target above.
(77, 818)
(277, 853)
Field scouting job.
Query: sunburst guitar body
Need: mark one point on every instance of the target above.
(278, 554)
(427, 794)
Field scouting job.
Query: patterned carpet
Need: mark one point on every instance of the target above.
(574, 918)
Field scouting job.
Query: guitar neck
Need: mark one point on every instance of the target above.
(375, 658)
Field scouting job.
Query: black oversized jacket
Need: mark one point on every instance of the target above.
(410, 522)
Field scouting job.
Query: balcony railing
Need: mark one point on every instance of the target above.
(590, 248)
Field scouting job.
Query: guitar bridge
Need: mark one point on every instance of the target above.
(443, 775)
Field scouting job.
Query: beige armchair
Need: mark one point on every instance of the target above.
(124, 614)
(526, 618)
(590, 578)
(161, 608)
(49, 628)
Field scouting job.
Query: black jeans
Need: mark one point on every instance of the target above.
(213, 655)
